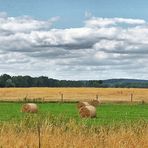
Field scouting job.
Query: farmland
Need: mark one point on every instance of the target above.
(119, 125)
(116, 125)
(74, 94)
(106, 113)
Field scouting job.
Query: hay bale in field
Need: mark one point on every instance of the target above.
(29, 108)
(81, 104)
(88, 111)
(94, 103)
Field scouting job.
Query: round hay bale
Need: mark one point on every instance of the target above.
(94, 103)
(81, 104)
(88, 111)
(30, 108)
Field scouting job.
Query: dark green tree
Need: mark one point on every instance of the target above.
(3, 79)
(9, 83)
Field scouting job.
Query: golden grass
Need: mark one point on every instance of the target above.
(75, 137)
(74, 94)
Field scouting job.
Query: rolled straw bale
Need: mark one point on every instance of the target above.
(87, 111)
(94, 103)
(81, 104)
(30, 108)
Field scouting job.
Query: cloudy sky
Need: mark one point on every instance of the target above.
(77, 40)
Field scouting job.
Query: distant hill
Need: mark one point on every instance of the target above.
(125, 83)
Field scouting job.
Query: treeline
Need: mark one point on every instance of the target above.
(42, 81)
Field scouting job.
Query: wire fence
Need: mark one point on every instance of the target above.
(73, 94)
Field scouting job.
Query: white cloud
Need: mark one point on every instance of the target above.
(101, 55)
(102, 48)
(102, 22)
(23, 24)
(109, 45)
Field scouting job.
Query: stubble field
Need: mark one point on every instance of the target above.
(75, 94)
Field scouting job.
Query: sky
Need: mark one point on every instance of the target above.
(74, 40)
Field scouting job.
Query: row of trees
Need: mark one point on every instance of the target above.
(27, 81)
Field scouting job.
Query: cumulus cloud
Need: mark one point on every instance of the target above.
(102, 48)
(12, 25)
(102, 22)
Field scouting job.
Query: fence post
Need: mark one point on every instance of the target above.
(62, 98)
(39, 136)
(97, 97)
(131, 97)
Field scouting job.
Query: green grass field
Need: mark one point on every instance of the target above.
(59, 125)
(106, 113)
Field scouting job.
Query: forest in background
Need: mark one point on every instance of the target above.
(43, 81)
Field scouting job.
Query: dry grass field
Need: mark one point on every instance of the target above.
(72, 135)
(74, 94)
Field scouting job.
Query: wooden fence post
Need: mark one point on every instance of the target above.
(62, 98)
(97, 97)
(39, 136)
(131, 97)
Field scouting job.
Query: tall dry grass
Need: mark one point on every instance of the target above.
(74, 94)
(72, 135)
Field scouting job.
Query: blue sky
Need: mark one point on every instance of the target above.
(74, 39)
(72, 12)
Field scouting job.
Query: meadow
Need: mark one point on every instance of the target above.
(59, 125)
(106, 113)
